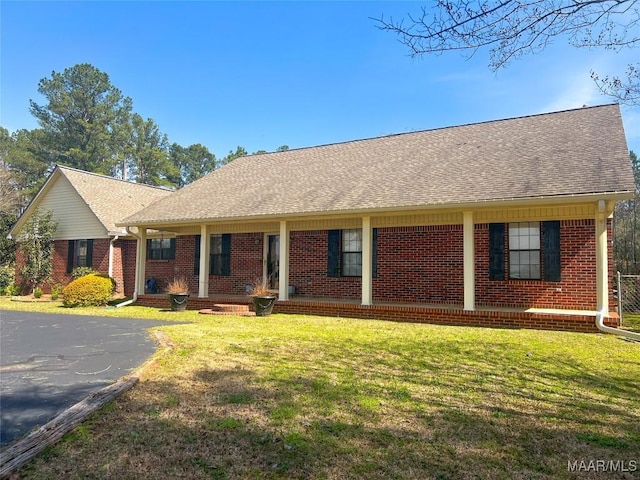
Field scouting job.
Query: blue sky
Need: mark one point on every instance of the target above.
(265, 74)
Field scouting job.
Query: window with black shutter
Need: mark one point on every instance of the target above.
(344, 256)
(219, 255)
(524, 250)
(79, 254)
(533, 251)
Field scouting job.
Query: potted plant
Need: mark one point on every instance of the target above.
(263, 298)
(178, 293)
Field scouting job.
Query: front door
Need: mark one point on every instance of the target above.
(273, 261)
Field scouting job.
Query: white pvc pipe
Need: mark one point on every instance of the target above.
(616, 331)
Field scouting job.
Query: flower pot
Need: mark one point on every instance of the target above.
(178, 301)
(263, 305)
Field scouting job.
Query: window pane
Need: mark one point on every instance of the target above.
(534, 257)
(82, 253)
(215, 268)
(514, 264)
(534, 229)
(534, 272)
(351, 264)
(535, 241)
(216, 244)
(352, 240)
(524, 250)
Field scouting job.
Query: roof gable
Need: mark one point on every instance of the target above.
(88, 205)
(561, 154)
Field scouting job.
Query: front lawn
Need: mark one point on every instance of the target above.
(312, 397)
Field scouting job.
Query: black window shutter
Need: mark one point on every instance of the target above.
(496, 251)
(171, 254)
(70, 259)
(374, 254)
(551, 246)
(333, 254)
(225, 268)
(90, 253)
(196, 256)
(149, 249)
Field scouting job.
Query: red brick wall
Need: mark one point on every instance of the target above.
(100, 262)
(420, 264)
(128, 255)
(414, 264)
(246, 265)
(308, 268)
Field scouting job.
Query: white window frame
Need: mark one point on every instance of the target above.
(525, 259)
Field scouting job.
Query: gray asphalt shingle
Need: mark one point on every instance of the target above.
(109, 198)
(549, 155)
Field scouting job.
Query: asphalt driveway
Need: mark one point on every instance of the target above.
(50, 362)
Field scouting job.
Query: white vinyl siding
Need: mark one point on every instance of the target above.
(75, 218)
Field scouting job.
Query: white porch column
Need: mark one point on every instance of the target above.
(367, 261)
(469, 261)
(141, 260)
(283, 293)
(205, 250)
(602, 260)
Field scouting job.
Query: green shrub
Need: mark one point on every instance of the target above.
(6, 276)
(12, 290)
(93, 289)
(82, 272)
(56, 290)
(37, 292)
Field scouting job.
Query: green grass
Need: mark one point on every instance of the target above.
(631, 321)
(292, 396)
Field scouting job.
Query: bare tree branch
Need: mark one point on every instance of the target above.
(514, 28)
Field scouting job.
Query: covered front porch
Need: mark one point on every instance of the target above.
(441, 259)
(482, 316)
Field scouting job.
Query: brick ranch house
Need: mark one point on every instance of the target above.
(501, 223)
(86, 207)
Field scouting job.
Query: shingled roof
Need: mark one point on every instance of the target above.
(560, 154)
(110, 199)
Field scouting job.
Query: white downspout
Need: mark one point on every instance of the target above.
(616, 331)
(135, 289)
(111, 243)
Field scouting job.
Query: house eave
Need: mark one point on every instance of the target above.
(444, 206)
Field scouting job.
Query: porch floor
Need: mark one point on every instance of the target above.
(484, 316)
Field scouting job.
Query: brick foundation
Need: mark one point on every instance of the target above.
(411, 314)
